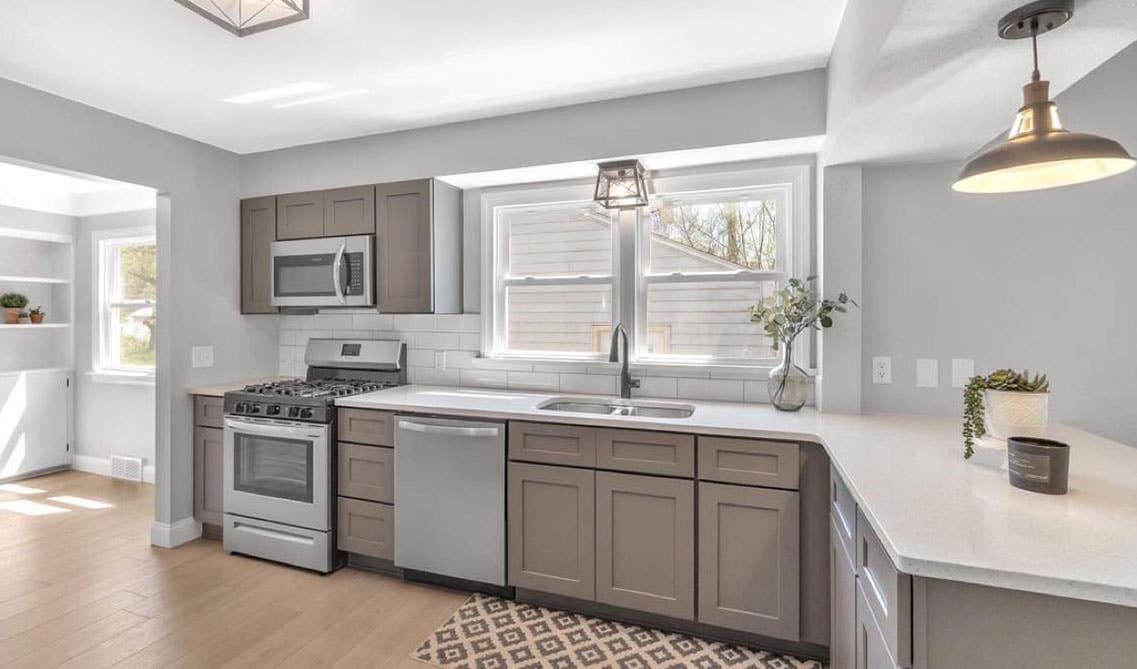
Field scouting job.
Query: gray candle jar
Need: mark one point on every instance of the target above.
(1038, 465)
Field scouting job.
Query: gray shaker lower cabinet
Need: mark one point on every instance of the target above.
(645, 548)
(552, 529)
(871, 647)
(208, 472)
(366, 528)
(843, 603)
(749, 559)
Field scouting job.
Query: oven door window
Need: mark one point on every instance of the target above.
(304, 275)
(272, 467)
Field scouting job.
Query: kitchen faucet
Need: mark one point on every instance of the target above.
(626, 380)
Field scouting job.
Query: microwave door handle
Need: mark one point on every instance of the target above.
(337, 274)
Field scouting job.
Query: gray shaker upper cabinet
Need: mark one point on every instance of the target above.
(300, 215)
(258, 230)
(418, 247)
(349, 211)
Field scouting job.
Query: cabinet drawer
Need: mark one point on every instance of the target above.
(367, 528)
(872, 651)
(367, 472)
(552, 444)
(842, 604)
(887, 591)
(365, 426)
(647, 452)
(208, 411)
(844, 511)
(749, 462)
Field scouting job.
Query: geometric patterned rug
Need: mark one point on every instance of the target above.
(491, 633)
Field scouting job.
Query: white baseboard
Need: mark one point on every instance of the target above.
(171, 535)
(96, 464)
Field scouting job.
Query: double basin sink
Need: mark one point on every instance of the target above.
(607, 407)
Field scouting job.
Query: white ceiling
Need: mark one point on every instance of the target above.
(382, 65)
(30, 187)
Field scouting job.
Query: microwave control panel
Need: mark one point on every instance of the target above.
(355, 274)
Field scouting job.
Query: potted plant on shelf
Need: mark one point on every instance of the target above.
(13, 305)
(36, 315)
(784, 315)
(1005, 403)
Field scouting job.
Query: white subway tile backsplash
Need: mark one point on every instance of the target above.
(588, 384)
(485, 378)
(444, 350)
(533, 381)
(711, 389)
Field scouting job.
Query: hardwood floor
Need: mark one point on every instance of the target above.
(80, 586)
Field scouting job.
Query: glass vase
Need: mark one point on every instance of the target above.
(788, 384)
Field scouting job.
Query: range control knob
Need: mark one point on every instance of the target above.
(306, 413)
(239, 407)
(273, 410)
(254, 408)
(293, 412)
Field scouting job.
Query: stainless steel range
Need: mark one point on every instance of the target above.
(280, 451)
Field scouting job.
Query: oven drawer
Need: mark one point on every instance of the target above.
(310, 549)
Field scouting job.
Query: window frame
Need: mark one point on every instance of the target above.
(103, 243)
(630, 278)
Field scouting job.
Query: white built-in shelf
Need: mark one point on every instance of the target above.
(7, 278)
(32, 326)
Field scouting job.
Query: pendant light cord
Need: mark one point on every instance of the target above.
(1036, 75)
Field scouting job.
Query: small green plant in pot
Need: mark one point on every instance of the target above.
(13, 305)
(1005, 403)
(784, 315)
(36, 315)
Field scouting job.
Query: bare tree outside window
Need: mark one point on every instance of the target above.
(742, 232)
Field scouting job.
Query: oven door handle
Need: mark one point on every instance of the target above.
(337, 274)
(276, 429)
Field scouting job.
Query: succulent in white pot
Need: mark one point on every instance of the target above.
(1005, 403)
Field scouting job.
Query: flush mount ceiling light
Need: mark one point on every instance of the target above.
(621, 185)
(245, 17)
(1039, 153)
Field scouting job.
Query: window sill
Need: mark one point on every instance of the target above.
(758, 370)
(122, 378)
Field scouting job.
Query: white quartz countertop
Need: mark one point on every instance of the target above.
(219, 389)
(937, 515)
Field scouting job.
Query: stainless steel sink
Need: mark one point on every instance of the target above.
(607, 407)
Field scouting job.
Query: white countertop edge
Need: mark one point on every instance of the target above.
(1108, 593)
(219, 389)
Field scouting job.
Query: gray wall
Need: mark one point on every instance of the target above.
(198, 254)
(41, 221)
(110, 418)
(1043, 280)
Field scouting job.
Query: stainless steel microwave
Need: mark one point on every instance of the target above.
(324, 272)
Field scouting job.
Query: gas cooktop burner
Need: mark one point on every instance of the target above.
(318, 388)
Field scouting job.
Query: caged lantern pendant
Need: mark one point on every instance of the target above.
(621, 185)
(1039, 153)
(245, 17)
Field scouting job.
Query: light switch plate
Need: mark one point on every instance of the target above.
(927, 373)
(882, 369)
(202, 356)
(962, 369)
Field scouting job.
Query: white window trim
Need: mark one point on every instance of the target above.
(99, 373)
(629, 300)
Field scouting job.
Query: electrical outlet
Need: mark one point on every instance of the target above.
(202, 356)
(962, 369)
(927, 373)
(882, 369)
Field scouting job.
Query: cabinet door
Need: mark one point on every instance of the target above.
(366, 528)
(208, 474)
(871, 648)
(843, 603)
(749, 568)
(552, 529)
(403, 247)
(349, 211)
(300, 215)
(258, 231)
(645, 543)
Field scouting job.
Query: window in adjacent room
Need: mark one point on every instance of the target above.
(126, 320)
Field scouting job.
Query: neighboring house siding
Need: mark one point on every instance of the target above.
(684, 319)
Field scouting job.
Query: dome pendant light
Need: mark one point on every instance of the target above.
(1039, 153)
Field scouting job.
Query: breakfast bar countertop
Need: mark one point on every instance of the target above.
(938, 515)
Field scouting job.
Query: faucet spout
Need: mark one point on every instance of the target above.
(616, 353)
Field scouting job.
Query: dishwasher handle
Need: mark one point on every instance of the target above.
(449, 430)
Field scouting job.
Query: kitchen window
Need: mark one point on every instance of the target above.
(710, 244)
(125, 317)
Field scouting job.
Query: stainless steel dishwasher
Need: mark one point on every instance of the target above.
(450, 498)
